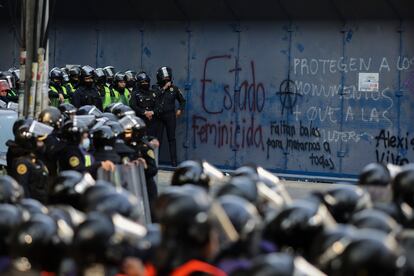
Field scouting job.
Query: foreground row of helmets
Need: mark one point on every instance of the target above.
(336, 231)
(342, 231)
(106, 74)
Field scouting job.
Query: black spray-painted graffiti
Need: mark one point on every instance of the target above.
(393, 148)
(302, 138)
(288, 95)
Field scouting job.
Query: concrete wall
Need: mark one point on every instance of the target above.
(282, 95)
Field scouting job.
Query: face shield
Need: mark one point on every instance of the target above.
(84, 120)
(40, 130)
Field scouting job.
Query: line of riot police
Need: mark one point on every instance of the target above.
(101, 87)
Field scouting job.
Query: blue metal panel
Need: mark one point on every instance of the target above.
(319, 125)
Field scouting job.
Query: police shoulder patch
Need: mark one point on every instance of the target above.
(22, 169)
(74, 161)
(151, 154)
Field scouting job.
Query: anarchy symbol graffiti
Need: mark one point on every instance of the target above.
(288, 95)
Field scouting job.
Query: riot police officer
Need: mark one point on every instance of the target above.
(134, 136)
(119, 86)
(57, 91)
(109, 73)
(143, 101)
(130, 79)
(51, 116)
(74, 78)
(87, 93)
(28, 170)
(167, 113)
(108, 95)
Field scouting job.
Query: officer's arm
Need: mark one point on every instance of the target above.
(180, 98)
(76, 99)
(133, 103)
(149, 156)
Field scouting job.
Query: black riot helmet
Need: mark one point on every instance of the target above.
(96, 193)
(242, 214)
(296, 225)
(375, 174)
(110, 116)
(375, 219)
(51, 116)
(67, 110)
(119, 202)
(32, 206)
(65, 73)
(190, 172)
(130, 78)
(164, 75)
(74, 72)
(111, 107)
(10, 218)
(56, 75)
(73, 132)
(343, 201)
(370, 252)
(87, 74)
(27, 137)
(21, 122)
(9, 78)
(196, 172)
(323, 250)
(122, 110)
(134, 127)
(89, 110)
(183, 215)
(241, 186)
(100, 76)
(10, 191)
(118, 77)
(115, 126)
(92, 238)
(403, 186)
(109, 72)
(102, 136)
(41, 241)
(142, 77)
(68, 188)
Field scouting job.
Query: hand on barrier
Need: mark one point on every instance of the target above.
(108, 166)
(155, 143)
(142, 161)
(149, 114)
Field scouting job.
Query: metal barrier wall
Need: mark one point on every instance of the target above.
(307, 98)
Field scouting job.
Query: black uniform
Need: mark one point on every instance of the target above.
(72, 158)
(165, 110)
(141, 101)
(87, 96)
(32, 174)
(14, 151)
